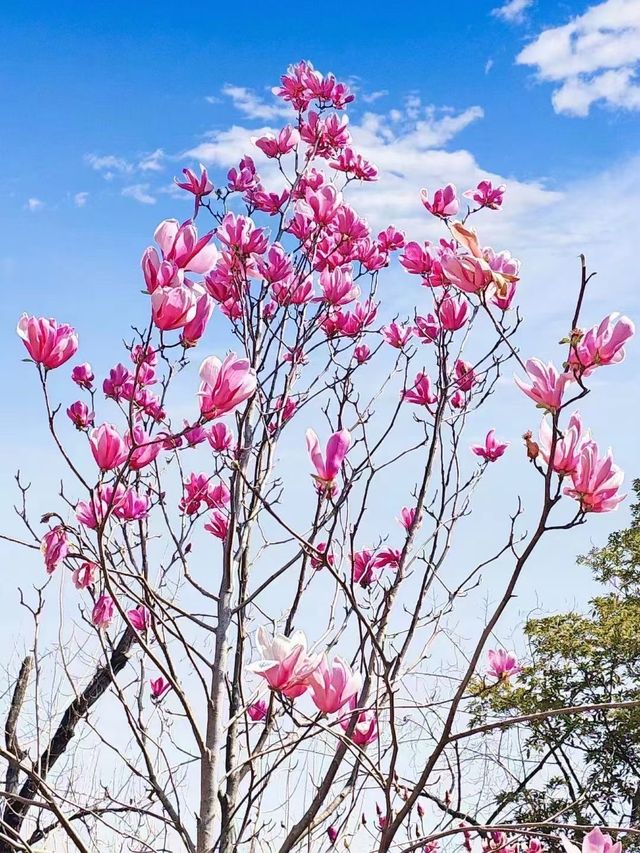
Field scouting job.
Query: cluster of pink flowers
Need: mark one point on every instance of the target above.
(595, 479)
(289, 669)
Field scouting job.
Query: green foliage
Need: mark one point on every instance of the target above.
(592, 767)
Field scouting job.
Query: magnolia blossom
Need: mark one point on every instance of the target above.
(225, 385)
(594, 842)
(108, 447)
(569, 444)
(465, 375)
(328, 465)
(421, 394)
(80, 415)
(502, 665)
(445, 202)
(492, 449)
(396, 335)
(333, 685)
(85, 575)
(547, 384)
(143, 448)
(48, 342)
(453, 313)
(596, 481)
(181, 245)
(285, 666)
(366, 730)
(361, 353)
(102, 612)
(601, 345)
(220, 437)
(159, 687)
(54, 547)
(200, 186)
(486, 195)
(82, 375)
(139, 618)
(258, 711)
(407, 517)
(218, 524)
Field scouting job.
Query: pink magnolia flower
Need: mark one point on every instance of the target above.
(327, 558)
(80, 415)
(365, 566)
(603, 344)
(427, 328)
(431, 847)
(181, 245)
(407, 517)
(54, 547)
(390, 240)
(258, 711)
(108, 447)
(159, 687)
(568, 447)
(502, 665)
(502, 299)
(276, 146)
(173, 307)
(547, 384)
(85, 575)
(48, 342)
(218, 524)
(361, 353)
(366, 730)
(458, 400)
(596, 481)
(445, 202)
(132, 506)
(354, 164)
(144, 449)
(220, 437)
(332, 834)
(421, 394)
(466, 272)
(396, 335)
(102, 612)
(332, 686)
(486, 195)
(594, 842)
(225, 385)
(199, 186)
(491, 450)
(285, 664)
(196, 327)
(328, 465)
(139, 618)
(453, 313)
(82, 375)
(337, 287)
(465, 375)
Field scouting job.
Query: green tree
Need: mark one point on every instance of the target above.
(584, 766)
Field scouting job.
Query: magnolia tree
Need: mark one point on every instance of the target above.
(236, 639)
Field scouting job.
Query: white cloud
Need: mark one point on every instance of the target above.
(139, 193)
(372, 97)
(253, 106)
(153, 162)
(488, 66)
(34, 204)
(109, 165)
(595, 58)
(512, 11)
(80, 199)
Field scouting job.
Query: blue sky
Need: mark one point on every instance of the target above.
(102, 104)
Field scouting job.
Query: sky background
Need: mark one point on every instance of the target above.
(102, 104)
